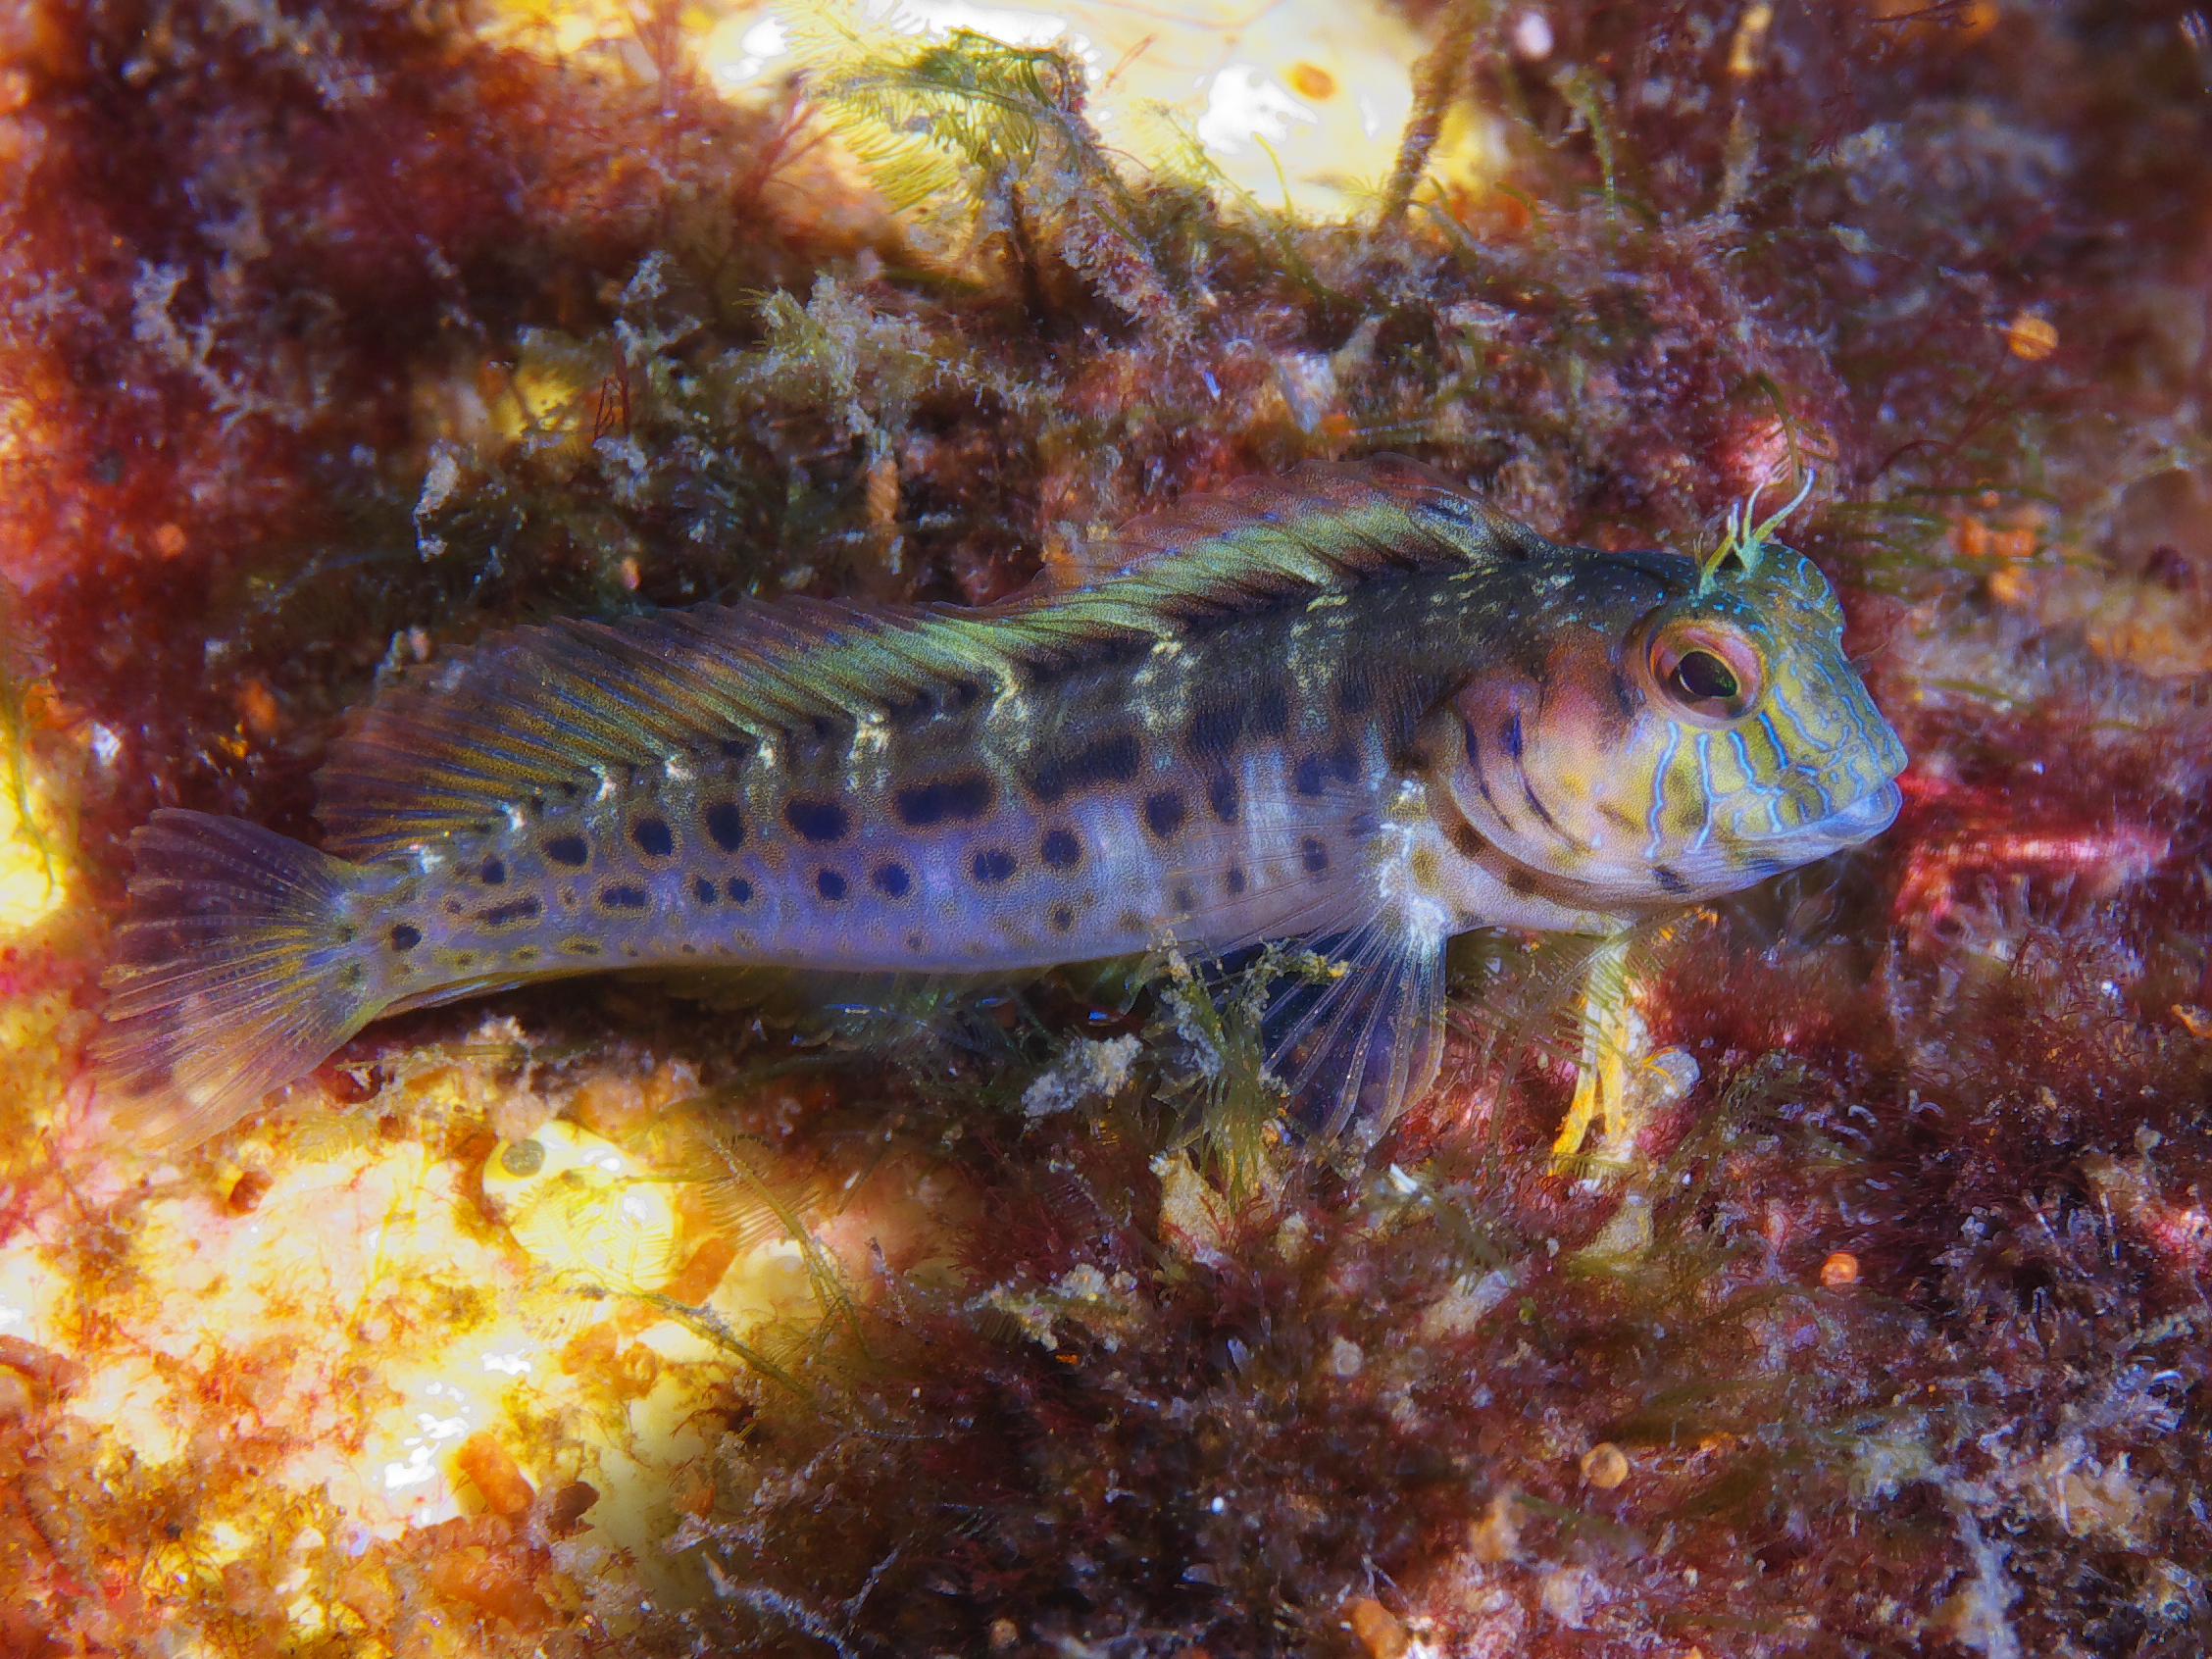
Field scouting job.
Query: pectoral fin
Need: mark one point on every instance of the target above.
(1355, 1045)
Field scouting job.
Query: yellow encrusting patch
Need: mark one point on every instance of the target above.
(35, 876)
(581, 1204)
(332, 1343)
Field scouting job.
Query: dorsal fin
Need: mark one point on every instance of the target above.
(1352, 515)
(556, 708)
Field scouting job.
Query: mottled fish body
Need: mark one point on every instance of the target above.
(1354, 706)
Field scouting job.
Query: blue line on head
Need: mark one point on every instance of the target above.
(1705, 788)
(1767, 724)
(1659, 791)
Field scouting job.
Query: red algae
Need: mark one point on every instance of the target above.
(332, 336)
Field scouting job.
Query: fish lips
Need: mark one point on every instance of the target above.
(1846, 826)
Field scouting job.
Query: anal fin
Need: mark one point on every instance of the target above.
(1357, 1043)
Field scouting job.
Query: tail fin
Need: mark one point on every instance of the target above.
(235, 973)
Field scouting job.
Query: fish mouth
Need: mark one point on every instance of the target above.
(1861, 821)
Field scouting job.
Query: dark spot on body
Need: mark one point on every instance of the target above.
(1133, 922)
(1269, 712)
(1316, 774)
(1355, 694)
(515, 910)
(1519, 881)
(1062, 918)
(1222, 795)
(493, 874)
(522, 953)
(1060, 849)
(702, 890)
(816, 821)
(1164, 812)
(1113, 759)
(1670, 880)
(1234, 882)
(652, 837)
(1511, 732)
(1214, 730)
(736, 748)
(1313, 855)
(914, 943)
(623, 897)
(829, 884)
(405, 937)
(739, 889)
(891, 879)
(453, 907)
(579, 947)
(726, 825)
(993, 864)
(571, 850)
(961, 799)
(1186, 900)
(354, 973)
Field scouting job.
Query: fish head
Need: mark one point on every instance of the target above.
(1679, 734)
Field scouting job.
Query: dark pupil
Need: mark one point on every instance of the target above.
(1703, 675)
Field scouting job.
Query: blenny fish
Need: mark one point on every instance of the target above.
(1354, 706)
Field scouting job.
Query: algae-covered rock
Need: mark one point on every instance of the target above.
(1006, 1320)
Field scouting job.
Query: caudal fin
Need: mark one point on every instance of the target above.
(235, 973)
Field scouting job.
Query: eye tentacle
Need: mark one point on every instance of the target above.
(1743, 538)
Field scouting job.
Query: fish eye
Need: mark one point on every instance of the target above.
(1700, 676)
(1707, 673)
